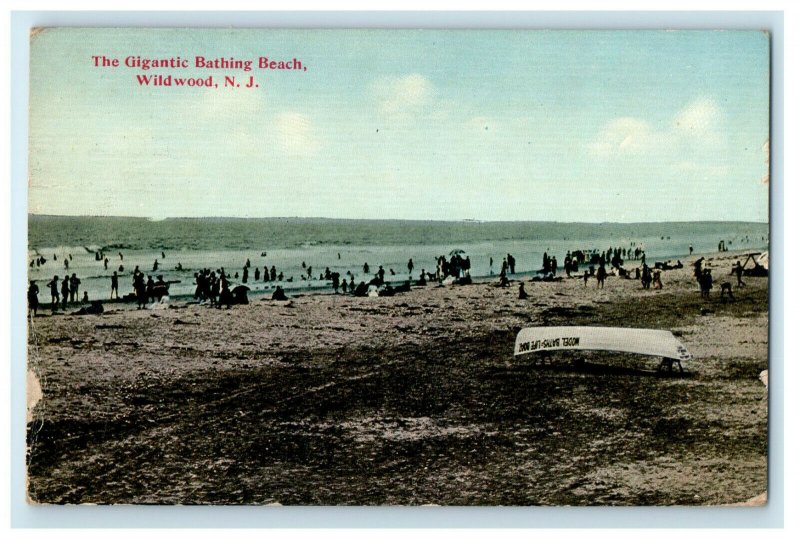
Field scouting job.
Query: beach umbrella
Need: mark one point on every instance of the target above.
(240, 294)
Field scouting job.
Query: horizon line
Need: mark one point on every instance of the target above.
(463, 220)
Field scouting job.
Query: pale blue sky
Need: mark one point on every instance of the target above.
(492, 125)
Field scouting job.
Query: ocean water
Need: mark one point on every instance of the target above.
(341, 245)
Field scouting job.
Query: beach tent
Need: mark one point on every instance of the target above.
(760, 264)
(763, 260)
(650, 342)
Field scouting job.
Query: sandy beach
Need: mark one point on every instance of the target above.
(411, 399)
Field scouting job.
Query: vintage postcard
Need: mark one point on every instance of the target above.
(398, 267)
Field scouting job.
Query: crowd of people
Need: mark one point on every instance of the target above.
(218, 288)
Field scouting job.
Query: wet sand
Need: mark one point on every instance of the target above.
(412, 399)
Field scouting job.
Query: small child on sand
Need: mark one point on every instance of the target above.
(522, 293)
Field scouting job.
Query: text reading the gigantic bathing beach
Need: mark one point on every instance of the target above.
(177, 71)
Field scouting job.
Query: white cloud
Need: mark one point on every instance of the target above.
(693, 129)
(623, 136)
(700, 118)
(403, 95)
(297, 134)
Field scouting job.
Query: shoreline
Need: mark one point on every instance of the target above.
(404, 400)
(258, 293)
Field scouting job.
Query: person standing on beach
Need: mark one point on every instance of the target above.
(149, 288)
(366, 268)
(114, 285)
(225, 295)
(33, 297)
(244, 272)
(698, 269)
(155, 265)
(691, 249)
(410, 266)
(65, 291)
(601, 276)
(53, 286)
(105, 263)
(647, 276)
(738, 270)
(139, 288)
(706, 283)
(74, 284)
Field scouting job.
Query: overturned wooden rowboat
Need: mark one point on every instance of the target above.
(650, 342)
